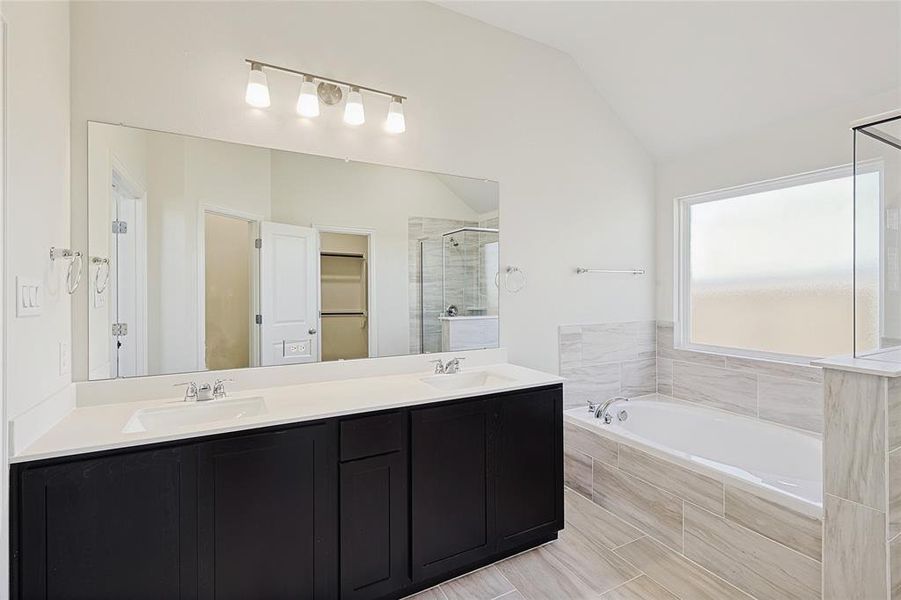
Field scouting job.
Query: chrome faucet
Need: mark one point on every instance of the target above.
(602, 410)
(452, 366)
(219, 390)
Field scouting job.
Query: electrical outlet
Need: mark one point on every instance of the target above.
(65, 358)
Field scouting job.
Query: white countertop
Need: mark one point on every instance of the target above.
(94, 428)
(468, 318)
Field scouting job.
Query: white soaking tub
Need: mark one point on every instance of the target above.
(783, 463)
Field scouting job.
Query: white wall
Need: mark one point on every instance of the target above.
(576, 188)
(309, 190)
(37, 209)
(807, 143)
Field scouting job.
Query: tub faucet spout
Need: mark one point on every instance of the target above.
(603, 411)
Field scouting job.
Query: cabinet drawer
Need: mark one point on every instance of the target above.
(368, 436)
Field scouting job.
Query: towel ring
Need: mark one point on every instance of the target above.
(103, 266)
(73, 281)
(517, 274)
(73, 274)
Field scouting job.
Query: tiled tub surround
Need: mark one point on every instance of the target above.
(636, 358)
(785, 393)
(702, 524)
(862, 485)
(607, 359)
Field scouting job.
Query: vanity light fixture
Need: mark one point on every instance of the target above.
(353, 108)
(328, 91)
(395, 122)
(257, 94)
(308, 101)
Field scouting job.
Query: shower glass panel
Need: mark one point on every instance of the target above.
(431, 295)
(877, 238)
(469, 261)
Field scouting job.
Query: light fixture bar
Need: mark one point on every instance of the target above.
(321, 78)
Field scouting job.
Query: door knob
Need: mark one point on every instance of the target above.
(312, 331)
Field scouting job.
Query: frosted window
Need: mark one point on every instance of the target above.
(771, 271)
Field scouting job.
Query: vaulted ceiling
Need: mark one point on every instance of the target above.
(688, 74)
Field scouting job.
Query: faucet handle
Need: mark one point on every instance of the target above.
(439, 366)
(190, 391)
(455, 366)
(219, 390)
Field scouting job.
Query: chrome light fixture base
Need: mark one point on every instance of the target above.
(329, 93)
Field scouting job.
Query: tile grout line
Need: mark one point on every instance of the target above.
(751, 531)
(696, 564)
(616, 587)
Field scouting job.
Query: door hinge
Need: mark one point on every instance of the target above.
(120, 329)
(259, 319)
(258, 243)
(120, 227)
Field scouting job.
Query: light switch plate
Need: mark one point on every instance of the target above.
(29, 297)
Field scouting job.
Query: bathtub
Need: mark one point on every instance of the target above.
(781, 463)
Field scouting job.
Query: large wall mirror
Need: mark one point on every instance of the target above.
(212, 255)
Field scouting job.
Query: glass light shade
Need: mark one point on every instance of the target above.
(257, 94)
(308, 101)
(395, 122)
(353, 110)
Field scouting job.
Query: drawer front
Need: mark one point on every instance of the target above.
(372, 435)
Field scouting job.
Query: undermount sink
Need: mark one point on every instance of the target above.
(194, 413)
(466, 380)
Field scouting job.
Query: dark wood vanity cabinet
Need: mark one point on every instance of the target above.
(116, 526)
(373, 506)
(368, 507)
(266, 518)
(452, 486)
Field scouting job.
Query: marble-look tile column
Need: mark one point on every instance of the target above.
(861, 483)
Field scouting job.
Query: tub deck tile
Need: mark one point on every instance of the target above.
(586, 441)
(577, 471)
(780, 523)
(687, 484)
(650, 509)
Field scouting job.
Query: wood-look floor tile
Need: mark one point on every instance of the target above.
(598, 567)
(641, 588)
(598, 524)
(539, 576)
(673, 571)
(434, 593)
(484, 584)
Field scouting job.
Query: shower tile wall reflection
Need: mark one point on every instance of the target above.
(450, 270)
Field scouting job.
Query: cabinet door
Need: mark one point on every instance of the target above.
(267, 518)
(452, 487)
(373, 517)
(529, 466)
(120, 526)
